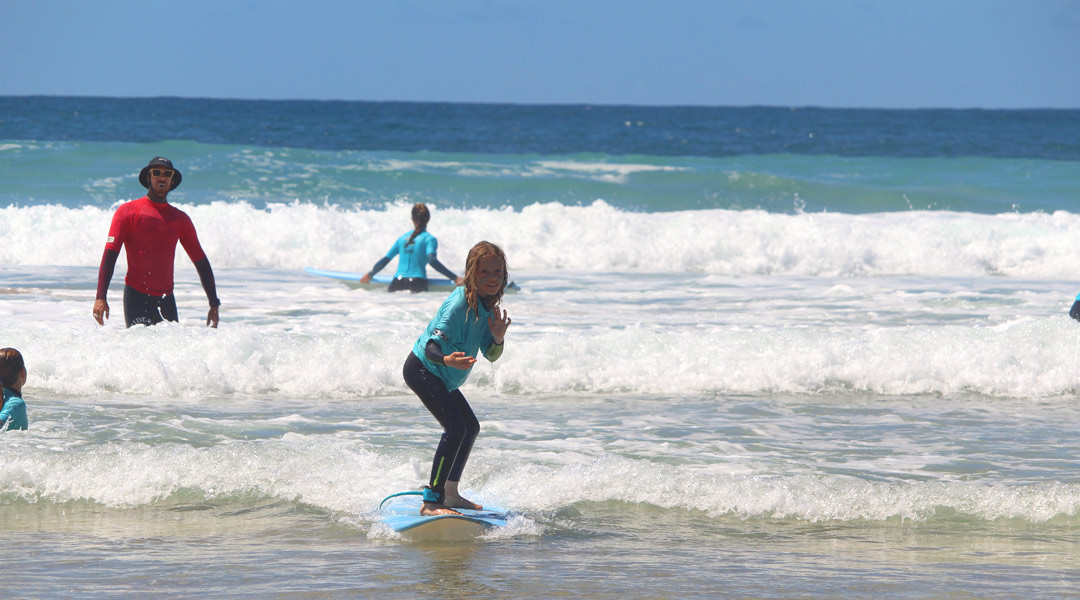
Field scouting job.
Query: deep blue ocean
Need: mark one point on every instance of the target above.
(757, 352)
(713, 132)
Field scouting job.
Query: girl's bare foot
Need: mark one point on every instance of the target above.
(430, 509)
(454, 499)
(460, 502)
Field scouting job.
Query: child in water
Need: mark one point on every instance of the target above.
(415, 250)
(12, 376)
(469, 320)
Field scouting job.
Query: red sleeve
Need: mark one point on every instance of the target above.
(190, 240)
(118, 230)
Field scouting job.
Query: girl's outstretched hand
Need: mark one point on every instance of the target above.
(458, 360)
(497, 323)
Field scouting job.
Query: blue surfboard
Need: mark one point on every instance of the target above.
(435, 284)
(401, 512)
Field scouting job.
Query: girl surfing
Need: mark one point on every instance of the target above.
(469, 320)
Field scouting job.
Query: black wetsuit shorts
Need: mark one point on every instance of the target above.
(412, 284)
(141, 309)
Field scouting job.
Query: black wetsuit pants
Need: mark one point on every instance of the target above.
(459, 424)
(413, 284)
(140, 309)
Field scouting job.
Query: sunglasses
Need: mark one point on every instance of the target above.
(162, 173)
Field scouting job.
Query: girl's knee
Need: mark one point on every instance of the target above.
(460, 429)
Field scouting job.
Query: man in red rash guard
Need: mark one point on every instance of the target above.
(149, 228)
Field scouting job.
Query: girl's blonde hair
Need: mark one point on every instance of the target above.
(11, 364)
(479, 252)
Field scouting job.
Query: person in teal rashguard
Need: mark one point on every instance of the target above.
(469, 321)
(415, 251)
(12, 376)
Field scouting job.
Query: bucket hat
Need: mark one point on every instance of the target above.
(159, 161)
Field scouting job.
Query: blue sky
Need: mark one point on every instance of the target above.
(838, 53)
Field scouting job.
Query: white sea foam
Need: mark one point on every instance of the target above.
(596, 237)
(322, 471)
(613, 172)
(802, 497)
(289, 332)
(298, 395)
(600, 171)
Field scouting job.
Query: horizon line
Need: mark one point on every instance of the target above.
(549, 104)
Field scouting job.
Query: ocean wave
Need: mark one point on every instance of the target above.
(322, 472)
(360, 356)
(597, 237)
(793, 497)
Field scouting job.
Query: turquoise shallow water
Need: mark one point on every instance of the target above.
(75, 174)
(808, 498)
